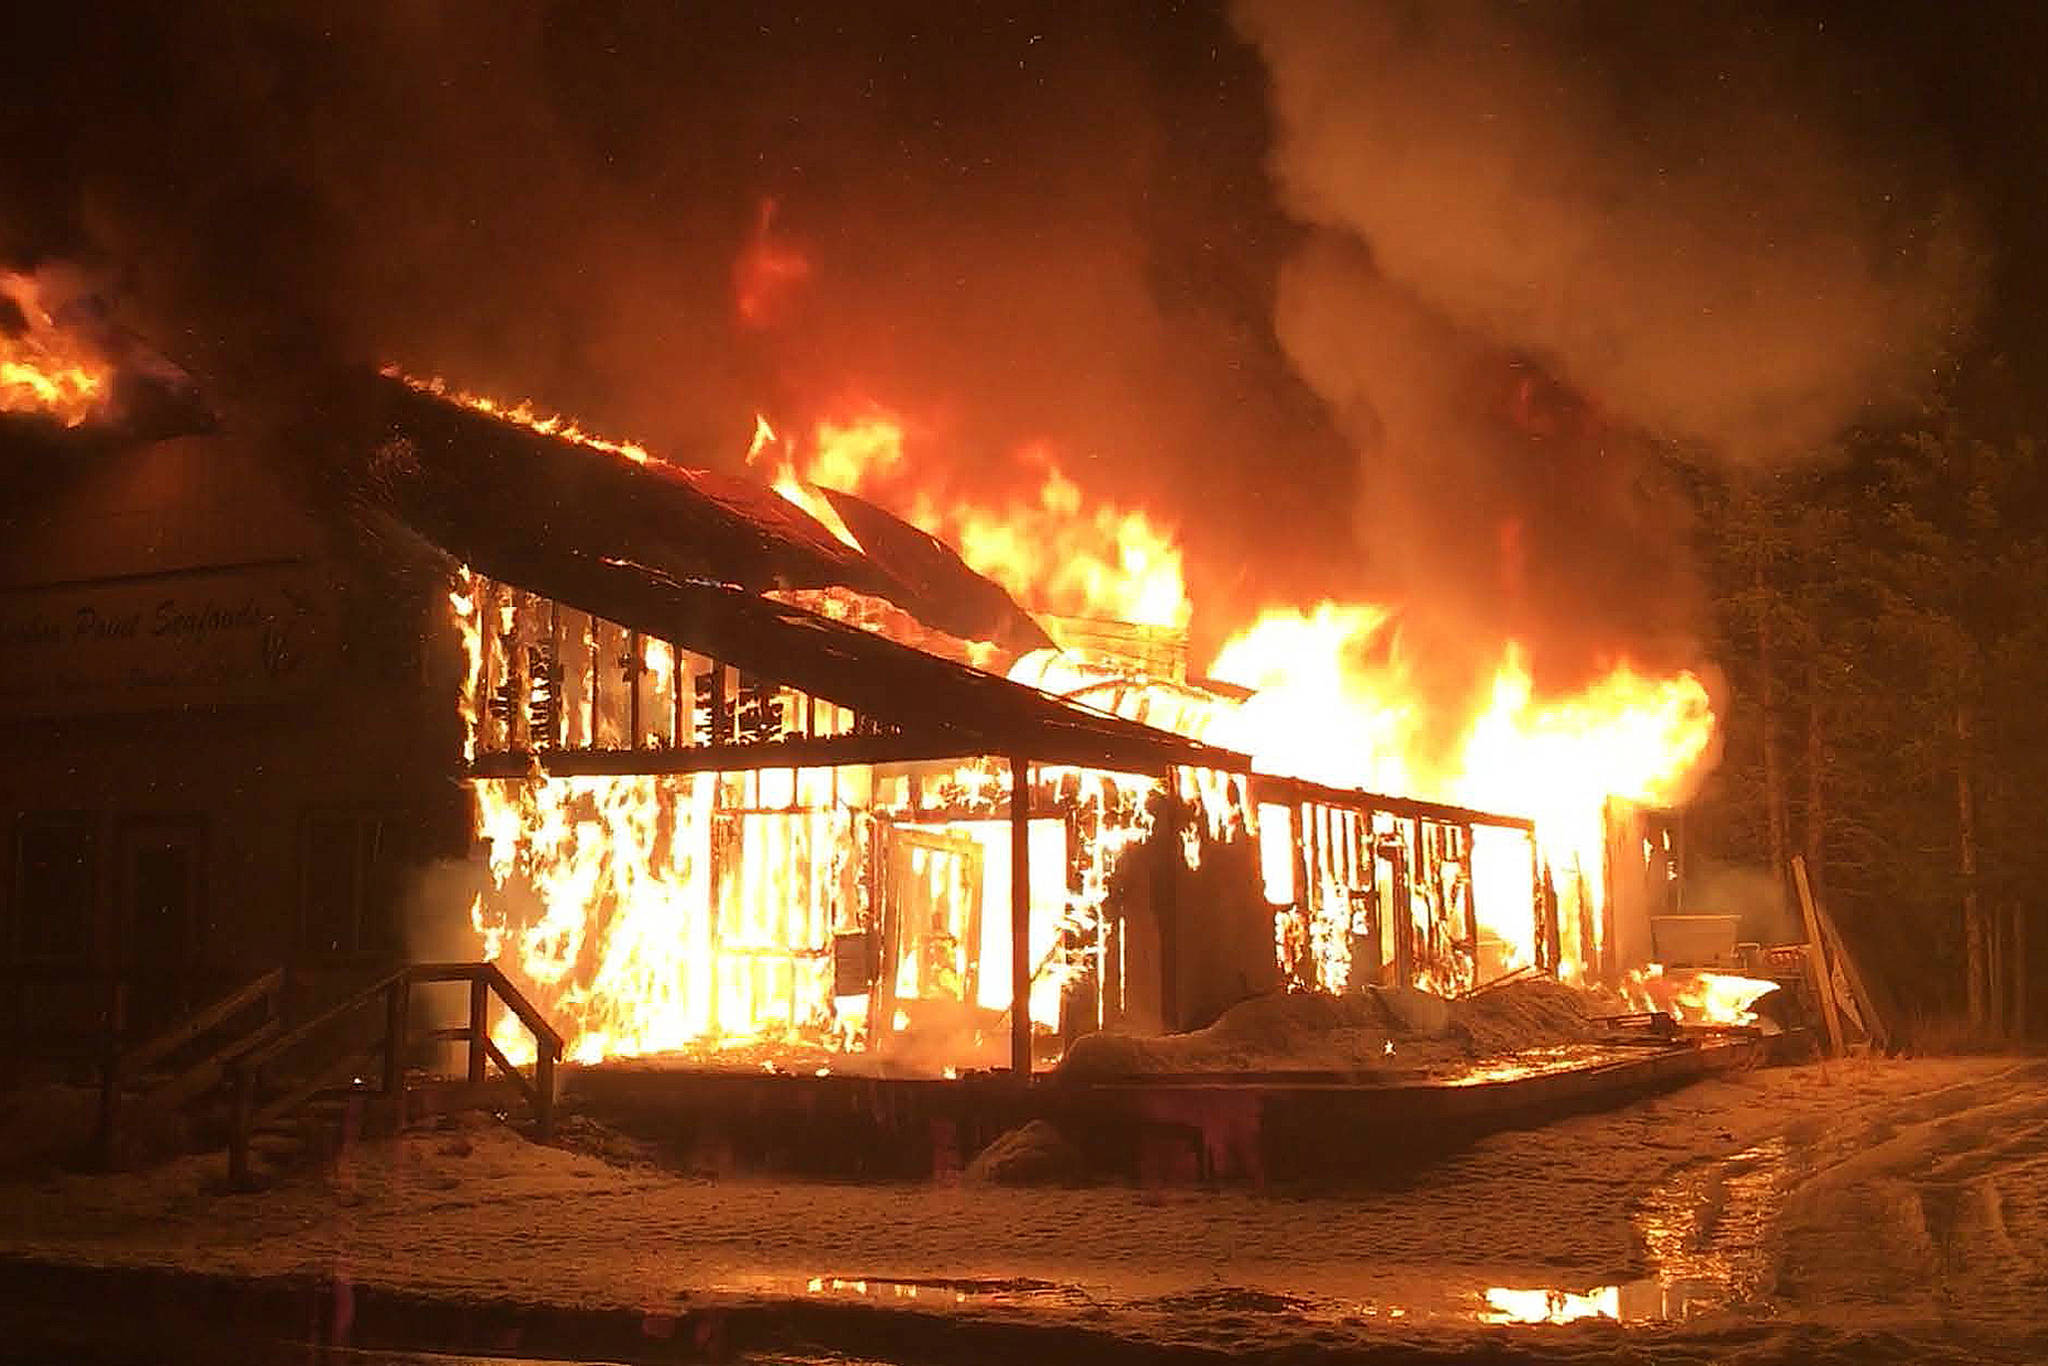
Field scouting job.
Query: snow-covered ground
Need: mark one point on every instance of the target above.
(1858, 1210)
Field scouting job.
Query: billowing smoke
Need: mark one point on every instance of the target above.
(1519, 244)
(1541, 237)
(1012, 228)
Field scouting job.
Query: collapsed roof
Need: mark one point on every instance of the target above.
(686, 555)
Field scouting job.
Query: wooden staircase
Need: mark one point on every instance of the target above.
(345, 1067)
(181, 1066)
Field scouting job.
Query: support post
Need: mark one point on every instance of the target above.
(544, 1090)
(682, 698)
(558, 720)
(1166, 900)
(479, 1026)
(1471, 899)
(721, 708)
(396, 1008)
(1020, 917)
(1300, 817)
(635, 665)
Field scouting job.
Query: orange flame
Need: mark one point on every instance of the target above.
(43, 369)
(525, 414)
(1696, 998)
(1335, 702)
(1052, 548)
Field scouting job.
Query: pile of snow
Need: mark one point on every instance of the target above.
(1527, 1014)
(1380, 1031)
(1035, 1155)
(1292, 1030)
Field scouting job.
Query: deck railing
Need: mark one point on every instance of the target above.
(340, 1061)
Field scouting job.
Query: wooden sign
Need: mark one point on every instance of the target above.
(191, 639)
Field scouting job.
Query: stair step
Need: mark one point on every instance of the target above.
(267, 1143)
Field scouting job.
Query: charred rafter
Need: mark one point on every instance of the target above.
(684, 557)
(459, 474)
(949, 595)
(876, 677)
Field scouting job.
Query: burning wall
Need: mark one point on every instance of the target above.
(1355, 888)
(719, 893)
(1337, 693)
(829, 908)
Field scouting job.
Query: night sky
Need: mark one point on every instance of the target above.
(1365, 298)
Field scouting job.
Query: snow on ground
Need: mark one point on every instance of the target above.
(1387, 1032)
(1905, 1199)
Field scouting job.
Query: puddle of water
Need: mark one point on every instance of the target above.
(1466, 1301)
(1707, 1232)
(1708, 1228)
(933, 1290)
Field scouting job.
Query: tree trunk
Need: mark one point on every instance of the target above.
(2019, 970)
(1975, 948)
(1816, 811)
(1767, 697)
(1994, 971)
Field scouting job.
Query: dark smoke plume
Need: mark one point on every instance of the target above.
(1541, 237)
(1524, 243)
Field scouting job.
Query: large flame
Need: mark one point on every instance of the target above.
(1334, 701)
(1048, 544)
(618, 901)
(45, 369)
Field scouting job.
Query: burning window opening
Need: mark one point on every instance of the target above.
(810, 909)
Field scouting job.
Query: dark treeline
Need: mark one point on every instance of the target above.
(1882, 621)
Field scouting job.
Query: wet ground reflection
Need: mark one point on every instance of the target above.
(1705, 1232)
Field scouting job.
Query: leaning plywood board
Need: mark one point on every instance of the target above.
(1818, 953)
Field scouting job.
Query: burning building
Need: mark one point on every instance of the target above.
(745, 769)
(729, 808)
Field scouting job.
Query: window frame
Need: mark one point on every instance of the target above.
(19, 911)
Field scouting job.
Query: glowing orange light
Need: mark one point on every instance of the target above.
(44, 369)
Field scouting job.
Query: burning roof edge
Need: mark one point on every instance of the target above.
(455, 463)
(928, 696)
(877, 677)
(657, 554)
